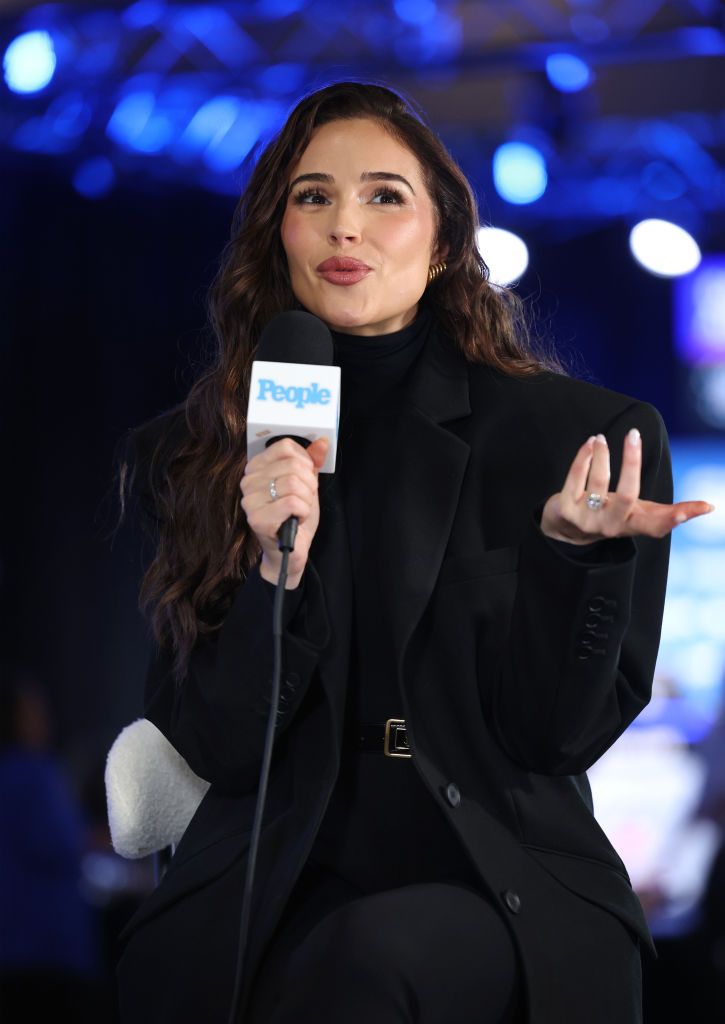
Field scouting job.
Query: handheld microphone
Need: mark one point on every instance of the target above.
(294, 392)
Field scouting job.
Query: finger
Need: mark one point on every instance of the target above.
(630, 473)
(685, 510)
(318, 450)
(284, 448)
(265, 520)
(577, 476)
(279, 468)
(651, 519)
(257, 489)
(599, 470)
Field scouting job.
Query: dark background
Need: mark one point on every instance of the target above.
(102, 301)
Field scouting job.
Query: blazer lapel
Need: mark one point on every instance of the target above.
(422, 485)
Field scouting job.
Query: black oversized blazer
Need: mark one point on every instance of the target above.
(518, 666)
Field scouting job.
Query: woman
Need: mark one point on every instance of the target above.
(468, 569)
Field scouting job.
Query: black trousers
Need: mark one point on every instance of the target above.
(433, 953)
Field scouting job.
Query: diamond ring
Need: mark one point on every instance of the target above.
(595, 501)
(273, 489)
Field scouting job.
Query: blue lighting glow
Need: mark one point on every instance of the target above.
(281, 79)
(415, 12)
(700, 313)
(135, 125)
(567, 73)
(275, 9)
(519, 172)
(431, 41)
(223, 131)
(211, 122)
(663, 181)
(29, 62)
(69, 114)
(94, 178)
(143, 13)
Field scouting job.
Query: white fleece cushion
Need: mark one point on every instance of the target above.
(151, 791)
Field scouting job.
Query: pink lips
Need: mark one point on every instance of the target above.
(343, 270)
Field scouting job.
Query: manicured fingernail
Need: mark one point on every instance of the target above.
(590, 440)
(602, 438)
(634, 437)
(711, 508)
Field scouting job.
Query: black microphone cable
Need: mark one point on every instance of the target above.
(287, 533)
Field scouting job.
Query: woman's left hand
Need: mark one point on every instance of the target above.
(566, 515)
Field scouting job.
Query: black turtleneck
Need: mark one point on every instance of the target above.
(373, 365)
(380, 807)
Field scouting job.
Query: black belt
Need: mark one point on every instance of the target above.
(389, 738)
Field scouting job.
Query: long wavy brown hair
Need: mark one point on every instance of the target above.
(203, 545)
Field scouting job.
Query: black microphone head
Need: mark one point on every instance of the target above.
(296, 337)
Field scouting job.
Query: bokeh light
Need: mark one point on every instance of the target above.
(29, 62)
(663, 248)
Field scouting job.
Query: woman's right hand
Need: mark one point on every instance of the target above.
(295, 471)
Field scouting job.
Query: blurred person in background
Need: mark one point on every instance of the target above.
(712, 807)
(48, 958)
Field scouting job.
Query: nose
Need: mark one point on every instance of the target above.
(345, 225)
(344, 233)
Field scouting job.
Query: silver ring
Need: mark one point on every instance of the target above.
(273, 490)
(595, 501)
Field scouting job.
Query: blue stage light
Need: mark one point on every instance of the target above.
(519, 172)
(415, 12)
(275, 9)
(29, 62)
(664, 249)
(431, 41)
(700, 314)
(281, 79)
(568, 73)
(70, 115)
(144, 13)
(135, 124)
(211, 122)
(254, 122)
(94, 178)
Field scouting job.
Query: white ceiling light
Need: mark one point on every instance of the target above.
(505, 254)
(664, 248)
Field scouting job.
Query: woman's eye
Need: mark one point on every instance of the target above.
(313, 197)
(391, 193)
(309, 194)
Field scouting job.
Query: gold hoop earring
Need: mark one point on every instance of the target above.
(435, 270)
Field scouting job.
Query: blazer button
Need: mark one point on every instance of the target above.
(453, 794)
(512, 901)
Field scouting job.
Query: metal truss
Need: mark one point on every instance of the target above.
(187, 91)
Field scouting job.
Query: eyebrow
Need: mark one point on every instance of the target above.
(327, 179)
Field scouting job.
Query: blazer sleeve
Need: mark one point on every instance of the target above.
(216, 716)
(578, 663)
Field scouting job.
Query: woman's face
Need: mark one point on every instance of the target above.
(362, 199)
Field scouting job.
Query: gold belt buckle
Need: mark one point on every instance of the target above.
(395, 730)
